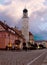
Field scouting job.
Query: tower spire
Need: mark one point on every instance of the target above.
(25, 6)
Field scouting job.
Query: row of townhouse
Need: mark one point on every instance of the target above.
(43, 42)
(11, 35)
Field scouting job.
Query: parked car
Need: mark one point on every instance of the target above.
(40, 46)
(32, 46)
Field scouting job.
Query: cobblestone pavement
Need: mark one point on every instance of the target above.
(20, 57)
(45, 61)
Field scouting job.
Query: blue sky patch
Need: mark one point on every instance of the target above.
(1, 1)
(5, 2)
(45, 3)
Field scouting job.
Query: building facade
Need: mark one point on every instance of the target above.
(25, 26)
(11, 35)
(43, 42)
(8, 35)
(31, 38)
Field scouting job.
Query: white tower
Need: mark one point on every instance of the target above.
(25, 26)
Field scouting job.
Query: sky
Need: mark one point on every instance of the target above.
(11, 11)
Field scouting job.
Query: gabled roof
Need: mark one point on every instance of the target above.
(5, 26)
(10, 29)
(18, 32)
(30, 33)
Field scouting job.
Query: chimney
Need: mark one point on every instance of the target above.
(4, 22)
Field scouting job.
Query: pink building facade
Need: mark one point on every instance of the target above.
(8, 35)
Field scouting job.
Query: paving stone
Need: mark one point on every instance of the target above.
(44, 64)
(45, 61)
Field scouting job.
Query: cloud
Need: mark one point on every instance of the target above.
(20, 4)
(38, 24)
(12, 12)
(14, 8)
(5, 2)
(8, 19)
(45, 2)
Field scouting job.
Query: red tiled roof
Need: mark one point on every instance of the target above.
(6, 27)
(18, 32)
(30, 33)
(9, 29)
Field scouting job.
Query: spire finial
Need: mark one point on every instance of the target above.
(25, 6)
